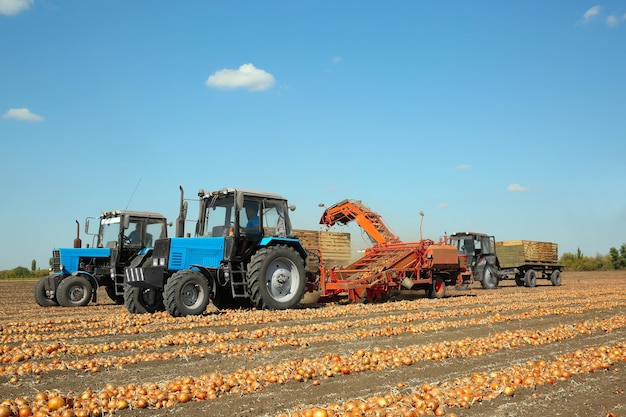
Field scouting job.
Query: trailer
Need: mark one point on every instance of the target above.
(489, 261)
(528, 260)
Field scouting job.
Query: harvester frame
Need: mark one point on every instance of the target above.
(390, 265)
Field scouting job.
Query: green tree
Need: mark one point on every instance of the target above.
(20, 272)
(618, 257)
(33, 265)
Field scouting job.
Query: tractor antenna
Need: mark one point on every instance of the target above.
(133, 194)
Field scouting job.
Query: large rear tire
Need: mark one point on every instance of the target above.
(276, 278)
(74, 291)
(490, 278)
(117, 299)
(143, 300)
(44, 295)
(186, 293)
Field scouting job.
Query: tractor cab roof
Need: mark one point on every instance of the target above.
(249, 193)
(140, 214)
(464, 234)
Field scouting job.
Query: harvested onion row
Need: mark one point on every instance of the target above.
(463, 392)
(204, 344)
(50, 329)
(245, 381)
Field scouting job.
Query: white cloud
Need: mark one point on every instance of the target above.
(591, 13)
(13, 7)
(463, 166)
(612, 21)
(442, 205)
(247, 76)
(516, 188)
(22, 114)
(336, 59)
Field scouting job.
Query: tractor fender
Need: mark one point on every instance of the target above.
(94, 283)
(209, 275)
(291, 242)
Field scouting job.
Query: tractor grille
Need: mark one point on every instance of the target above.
(56, 261)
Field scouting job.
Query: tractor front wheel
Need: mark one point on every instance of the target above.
(186, 293)
(143, 300)
(74, 291)
(276, 278)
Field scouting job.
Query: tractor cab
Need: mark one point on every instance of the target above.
(127, 233)
(243, 218)
(472, 245)
(477, 253)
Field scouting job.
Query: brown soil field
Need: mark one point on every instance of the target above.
(512, 351)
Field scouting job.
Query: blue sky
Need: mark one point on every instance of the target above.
(502, 117)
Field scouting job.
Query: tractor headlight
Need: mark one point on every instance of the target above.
(158, 261)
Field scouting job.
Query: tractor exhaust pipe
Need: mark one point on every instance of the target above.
(77, 242)
(182, 214)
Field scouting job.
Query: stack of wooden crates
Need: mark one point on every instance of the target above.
(512, 253)
(334, 246)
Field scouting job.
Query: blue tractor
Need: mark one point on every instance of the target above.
(124, 238)
(243, 250)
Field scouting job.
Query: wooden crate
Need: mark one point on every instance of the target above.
(513, 253)
(334, 246)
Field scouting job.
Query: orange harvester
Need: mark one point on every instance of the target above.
(390, 265)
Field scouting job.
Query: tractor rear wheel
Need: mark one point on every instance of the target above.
(437, 289)
(46, 297)
(74, 291)
(530, 278)
(490, 278)
(276, 278)
(117, 299)
(186, 293)
(555, 277)
(143, 300)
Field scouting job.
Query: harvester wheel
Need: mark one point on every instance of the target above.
(74, 291)
(490, 278)
(438, 288)
(186, 293)
(555, 277)
(117, 299)
(143, 300)
(46, 297)
(530, 278)
(276, 278)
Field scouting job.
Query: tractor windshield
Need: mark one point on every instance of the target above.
(109, 232)
(275, 220)
(219, 217)
(465, 244)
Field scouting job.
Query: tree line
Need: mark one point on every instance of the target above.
(615, 259)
